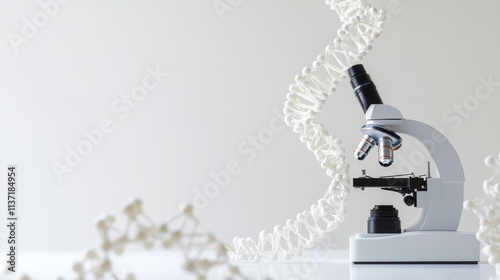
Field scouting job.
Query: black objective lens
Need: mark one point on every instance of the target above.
(384, 219)
(363, 87)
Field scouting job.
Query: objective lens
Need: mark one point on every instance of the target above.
(385, 151)
(364, 147)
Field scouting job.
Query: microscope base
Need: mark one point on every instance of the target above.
(419, 247)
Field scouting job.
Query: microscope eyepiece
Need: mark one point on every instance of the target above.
(363, 86)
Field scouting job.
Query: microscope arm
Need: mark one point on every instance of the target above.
(442, 202)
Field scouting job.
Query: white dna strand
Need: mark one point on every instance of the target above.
(487, 208)
(361, 25)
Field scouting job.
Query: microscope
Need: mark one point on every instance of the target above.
(434, 238)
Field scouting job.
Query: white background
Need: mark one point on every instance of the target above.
(226, 78)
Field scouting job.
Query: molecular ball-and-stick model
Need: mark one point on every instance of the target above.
(201, 250)
(487, 209)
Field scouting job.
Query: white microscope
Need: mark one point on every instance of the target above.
(434, 237)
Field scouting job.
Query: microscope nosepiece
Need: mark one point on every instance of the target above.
(364, 147)
(385, 151)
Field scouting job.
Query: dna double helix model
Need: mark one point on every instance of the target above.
(362, 24)
(487, 209)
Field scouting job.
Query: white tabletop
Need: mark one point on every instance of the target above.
(315, 265)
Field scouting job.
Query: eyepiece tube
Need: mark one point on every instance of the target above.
(363, 86)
